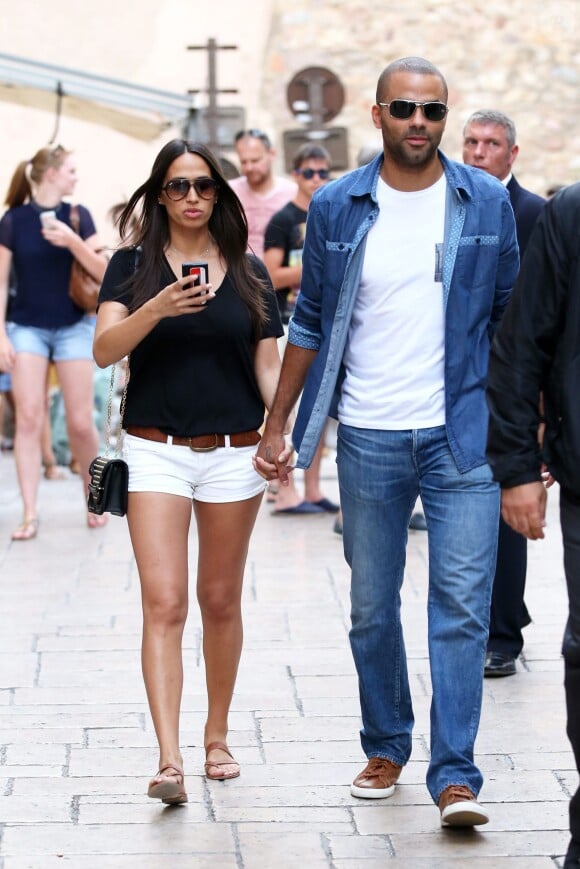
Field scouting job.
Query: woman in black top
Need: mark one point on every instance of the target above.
(203, 364)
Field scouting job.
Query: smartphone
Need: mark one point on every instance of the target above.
(198, 271)
(47, 218)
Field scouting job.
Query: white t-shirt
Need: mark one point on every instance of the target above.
(260, 207)
(395, 353)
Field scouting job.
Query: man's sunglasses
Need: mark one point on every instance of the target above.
(178, 188)
(323, 174)
(405, 109)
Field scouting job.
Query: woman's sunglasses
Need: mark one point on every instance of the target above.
(178, 188)
(402, 110)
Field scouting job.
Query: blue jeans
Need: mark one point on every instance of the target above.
(381, 473)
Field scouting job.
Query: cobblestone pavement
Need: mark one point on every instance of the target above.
(77, 746)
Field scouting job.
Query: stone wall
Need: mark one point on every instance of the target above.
(522, 58)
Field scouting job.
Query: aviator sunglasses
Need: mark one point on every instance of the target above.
(405, 109)
(178, 188)
(310, 173)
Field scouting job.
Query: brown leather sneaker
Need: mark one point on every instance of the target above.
(377, 780)
(459, 808)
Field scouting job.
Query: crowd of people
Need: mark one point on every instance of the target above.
(383, 300)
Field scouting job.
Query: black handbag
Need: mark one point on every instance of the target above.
(109, 484)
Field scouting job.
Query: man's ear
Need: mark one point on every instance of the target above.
(376, 116)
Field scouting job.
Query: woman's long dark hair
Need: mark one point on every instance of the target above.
(227, 225)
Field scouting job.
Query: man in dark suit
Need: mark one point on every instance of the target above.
(489, 143)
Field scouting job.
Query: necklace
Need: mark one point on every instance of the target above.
(190, 256)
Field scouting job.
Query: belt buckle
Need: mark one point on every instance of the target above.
(204, 449)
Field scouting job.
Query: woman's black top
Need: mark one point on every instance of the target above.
(194, 374)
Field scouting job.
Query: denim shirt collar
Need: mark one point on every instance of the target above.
(365, 183)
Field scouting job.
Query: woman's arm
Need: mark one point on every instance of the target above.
(118, 332)
(7, 354)
(267, 366)
(86, 251)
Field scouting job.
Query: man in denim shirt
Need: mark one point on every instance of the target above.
(408, 265)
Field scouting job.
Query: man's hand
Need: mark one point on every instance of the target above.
(272, 457)
(524, 509)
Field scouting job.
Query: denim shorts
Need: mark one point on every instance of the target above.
(5, 382)
(219, 476)
(64, 344)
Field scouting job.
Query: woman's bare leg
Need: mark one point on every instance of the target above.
(312, 490)
(76, 382)
(224, 534)
(29, 390)
(159, 527)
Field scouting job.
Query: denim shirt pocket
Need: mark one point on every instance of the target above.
(477, 259)
(336, 259)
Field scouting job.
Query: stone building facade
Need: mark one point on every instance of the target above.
(522, 58)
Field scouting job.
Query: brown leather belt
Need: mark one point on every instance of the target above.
(200, 443)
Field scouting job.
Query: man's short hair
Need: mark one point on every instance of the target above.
(492, 116)
(408, 64)
(309, 152)
(254, 133)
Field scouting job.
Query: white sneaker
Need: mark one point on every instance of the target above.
(459, 808)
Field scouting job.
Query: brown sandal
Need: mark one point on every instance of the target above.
(53, 472)
(222, 775)
(168, 788)
(27, 530)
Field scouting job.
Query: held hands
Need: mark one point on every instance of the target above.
(272, 457)
(182, 297)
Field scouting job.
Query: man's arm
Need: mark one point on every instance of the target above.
(522, 354)
(272, 456)
(521, 358)
(280, 275)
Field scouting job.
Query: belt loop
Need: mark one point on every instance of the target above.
(226, 440)
(169, 440)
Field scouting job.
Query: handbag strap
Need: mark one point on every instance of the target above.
(112, 386)
(74, 218)
(121, 410)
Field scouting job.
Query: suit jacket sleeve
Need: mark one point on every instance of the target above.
(523, 351)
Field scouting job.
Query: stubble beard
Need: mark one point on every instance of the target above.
(412, 158)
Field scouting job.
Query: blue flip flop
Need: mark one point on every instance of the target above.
(327, 506)
(305, 507)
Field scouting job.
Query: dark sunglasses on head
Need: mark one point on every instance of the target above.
(178, 188)
(404, 109)
(310, 173)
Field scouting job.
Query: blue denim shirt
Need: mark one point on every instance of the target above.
(480, 263)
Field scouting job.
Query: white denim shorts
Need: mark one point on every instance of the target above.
(222, 475)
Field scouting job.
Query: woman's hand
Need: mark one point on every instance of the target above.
(59, 234)
(7, 354)
(181, 297)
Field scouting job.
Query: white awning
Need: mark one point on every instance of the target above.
(140, 112)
